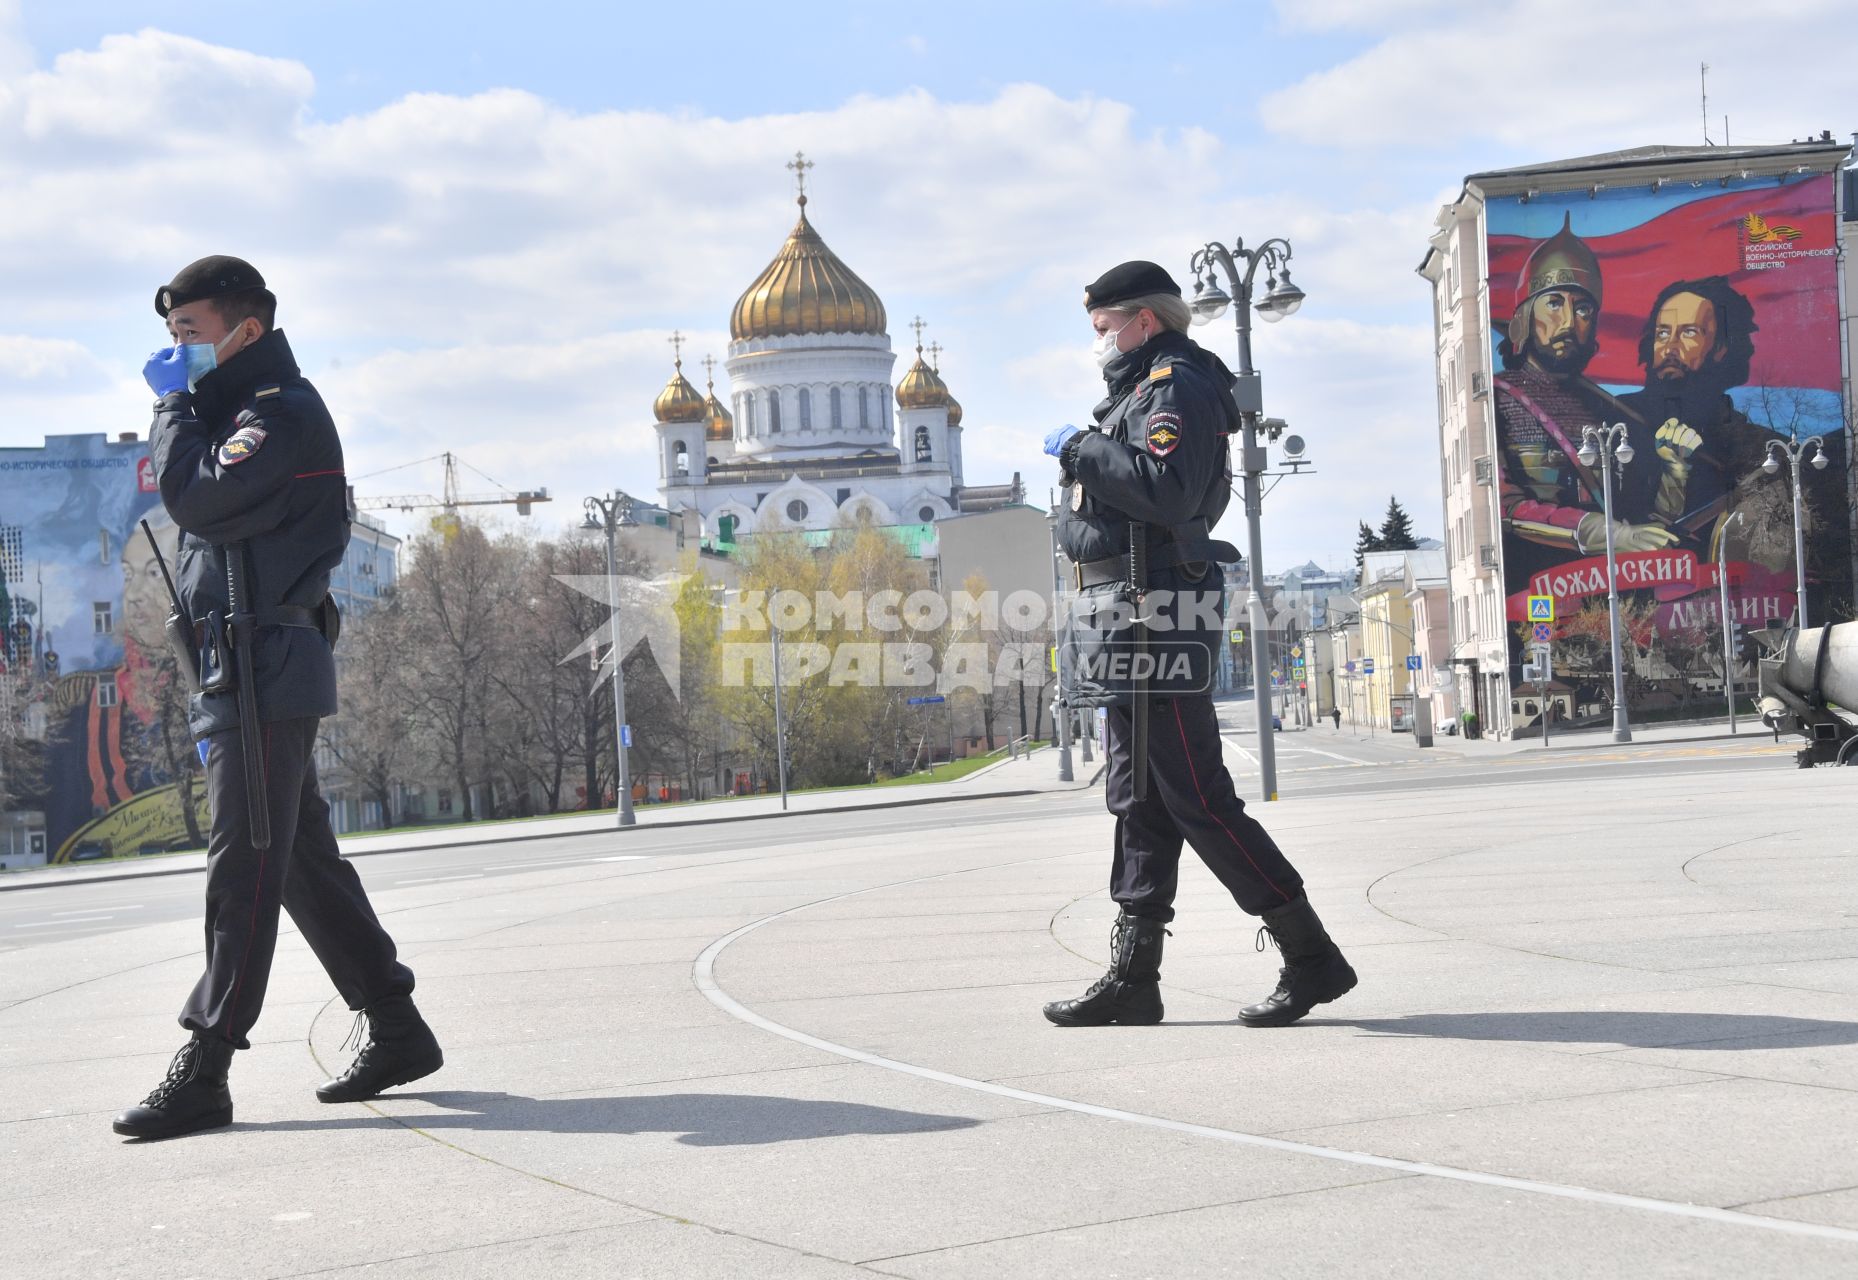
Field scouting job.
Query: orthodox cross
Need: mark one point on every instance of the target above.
(935, 356)
(709, 370)
(677, 349)
(918, 325)
(800, 164)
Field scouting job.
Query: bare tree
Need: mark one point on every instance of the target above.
(376, 737)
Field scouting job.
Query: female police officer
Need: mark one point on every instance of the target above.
(1153, 476)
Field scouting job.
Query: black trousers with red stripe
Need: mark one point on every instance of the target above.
(1191, 798)
(302, 872)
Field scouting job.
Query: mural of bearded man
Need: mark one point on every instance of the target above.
(1552, 505)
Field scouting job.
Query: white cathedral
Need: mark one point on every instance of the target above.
(808, 439)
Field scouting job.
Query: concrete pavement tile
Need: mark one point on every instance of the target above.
(1709, 1143)
(752, 975)
(647, 1250)
(1390, 1230)
(1267, 1081)
(513, 956)
(1815, 975)
(1707, 949)
(299, 1217)
(1802, 1055)
(1837, 1208)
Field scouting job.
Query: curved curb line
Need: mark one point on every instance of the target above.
(703, 973)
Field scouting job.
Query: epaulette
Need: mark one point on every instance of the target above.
(1161, 371)
(273, 390)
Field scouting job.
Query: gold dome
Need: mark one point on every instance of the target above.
(806, 289)
(954, 412)
(679, 401)
(721, 423)
(922, 387)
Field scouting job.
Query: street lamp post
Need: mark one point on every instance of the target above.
(1795, 451)
(1060, 712)
(1240, 267)
(1605, 446)
(1722, 583)
(608, 514)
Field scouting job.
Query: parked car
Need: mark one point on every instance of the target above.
(90, 851)
(1277, 721)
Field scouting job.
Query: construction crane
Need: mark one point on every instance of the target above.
(452, 499)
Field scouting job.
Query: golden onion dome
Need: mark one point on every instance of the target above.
(806, 289)
(721, 423)
(679, 401)
(954, 412)
(922, 387)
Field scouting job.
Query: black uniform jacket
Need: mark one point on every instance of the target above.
(1158, 457)
(251, 455)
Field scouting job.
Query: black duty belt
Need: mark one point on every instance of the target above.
(283, 615)
(1094, 573)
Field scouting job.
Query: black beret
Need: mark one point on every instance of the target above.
(1129, 280)
(208, 278)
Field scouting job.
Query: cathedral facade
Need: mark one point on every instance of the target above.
(810, 433)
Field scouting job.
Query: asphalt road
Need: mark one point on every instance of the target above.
(1311, 764)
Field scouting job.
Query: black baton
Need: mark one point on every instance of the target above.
(179, 627)
(1138, 698)
(244, 626)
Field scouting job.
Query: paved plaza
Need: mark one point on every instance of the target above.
(1607, 1025)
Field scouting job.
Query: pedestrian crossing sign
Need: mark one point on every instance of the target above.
(1541, 608)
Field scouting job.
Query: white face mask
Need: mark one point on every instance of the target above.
(1104, 349)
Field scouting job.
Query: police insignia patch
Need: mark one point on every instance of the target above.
(241, 445)
(1163, 431)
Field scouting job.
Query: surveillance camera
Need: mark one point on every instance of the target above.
(1293, 446)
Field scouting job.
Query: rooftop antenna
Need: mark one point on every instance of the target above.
(1704, 77)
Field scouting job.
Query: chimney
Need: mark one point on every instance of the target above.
(128, 437)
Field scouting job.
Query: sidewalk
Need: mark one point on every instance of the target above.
(1602, 736)
(1029, 774)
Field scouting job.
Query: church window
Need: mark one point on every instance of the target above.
(774, 412)
(923, 452)
(748, 414)
(680, 464)
(926, 515)
(838, 418)
(864, 408)
(796, 511)
(806, 409)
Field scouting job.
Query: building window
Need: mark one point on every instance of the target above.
(806, 409)
(835, 409)
(102, 617)
(796, 511)
(864, 408)
(680, 462)
(923, 452)
(106, 689)
(774, 412)
(748, 415)
(103, 546)
(926, 515)
(12, 553)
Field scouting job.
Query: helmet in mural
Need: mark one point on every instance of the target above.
(1563, 261)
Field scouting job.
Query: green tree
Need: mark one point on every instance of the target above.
(1396, 529)
(1365, 541)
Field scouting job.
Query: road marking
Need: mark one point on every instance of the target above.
(94, 910)
(703, 973)
(540, 862)
(469, 875)
(624, 857)
(54, 924)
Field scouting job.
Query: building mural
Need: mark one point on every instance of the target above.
(1705, 317)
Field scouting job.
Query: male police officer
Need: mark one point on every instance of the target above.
(1154, 476)
(251, 471)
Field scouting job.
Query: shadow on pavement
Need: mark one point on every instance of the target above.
(701, 1119)
(1634, 1030)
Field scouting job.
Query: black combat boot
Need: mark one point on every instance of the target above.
(195, 1095)
(1130, 993)
(1314, 971)
(400, 1048)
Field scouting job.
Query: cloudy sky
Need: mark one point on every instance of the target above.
(484, 220)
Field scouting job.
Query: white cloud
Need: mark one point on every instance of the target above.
(495, 274)
(1560, 77)
(1332, 15)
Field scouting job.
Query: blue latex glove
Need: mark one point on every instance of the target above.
(202, 745)
(166, 371)
(1055, 442)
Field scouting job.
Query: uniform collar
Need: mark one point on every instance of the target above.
(266, 361)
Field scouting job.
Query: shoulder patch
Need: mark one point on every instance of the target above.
(273, 390)
(241, 445)
(1160, 372)
(1162, 432)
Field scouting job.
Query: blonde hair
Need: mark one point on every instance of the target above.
(1169, 308)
